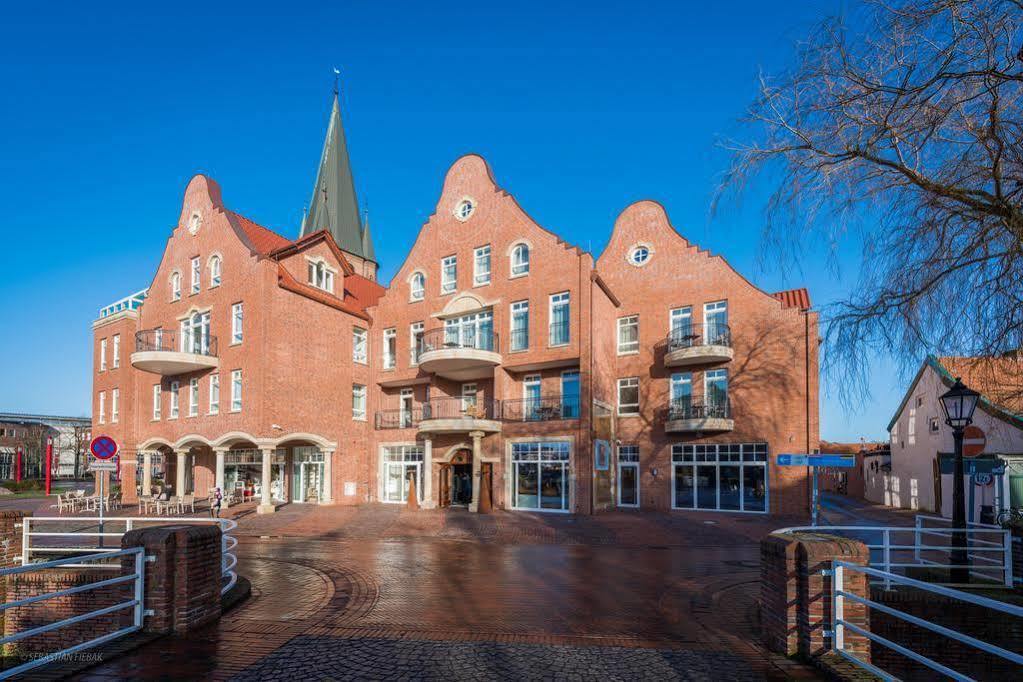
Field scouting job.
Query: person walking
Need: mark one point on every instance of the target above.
(215, 503)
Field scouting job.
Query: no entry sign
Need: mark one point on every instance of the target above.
(974, 441)
(103, 447)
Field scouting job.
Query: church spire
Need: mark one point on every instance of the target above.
(333, 205)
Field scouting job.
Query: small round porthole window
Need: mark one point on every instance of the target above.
(464, 209)
(639, 255)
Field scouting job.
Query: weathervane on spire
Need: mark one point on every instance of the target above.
(337, 74)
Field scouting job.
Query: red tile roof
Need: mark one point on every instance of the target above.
(998, 379)
(794, 298)
(263, 239)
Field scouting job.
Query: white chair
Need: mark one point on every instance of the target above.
(186, 501)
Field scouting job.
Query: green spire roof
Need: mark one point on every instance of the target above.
(333, 205)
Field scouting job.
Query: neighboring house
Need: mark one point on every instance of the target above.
(501, 366)
(877, 475)
(920, 439)
(851, 481)
(30, 433)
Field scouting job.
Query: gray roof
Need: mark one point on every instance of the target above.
(333, 205)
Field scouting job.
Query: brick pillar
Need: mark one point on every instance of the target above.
(796, 599)
(10, 538)
(182, 585)
(129, 495)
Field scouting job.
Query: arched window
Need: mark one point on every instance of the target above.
(520, 260)
(320, 276)
(175, 285)
(215, 271)
(418, 286)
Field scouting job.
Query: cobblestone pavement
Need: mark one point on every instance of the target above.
(366, 592)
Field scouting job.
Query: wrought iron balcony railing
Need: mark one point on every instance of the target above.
(559, 333)
(697, 408)
(170, 341)
(708, 334)
(465, 338)
(399, 419)
(438, 408)
(540, 409)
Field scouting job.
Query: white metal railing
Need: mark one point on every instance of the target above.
(136, 577)
(839, 624)
(88, 536)
(989, 548)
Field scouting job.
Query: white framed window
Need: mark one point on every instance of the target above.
(390, 349)
(628, 334)
(911, 431)
(464, 209)
(236, 390)
(157, 400)
(117, 351)
(448, 274)
(417, 286)
(360, 342)
(195, 334)
(193, 397)
(720, 477)
(481, 266)
(628, 475)
(215, 268)
(628, 395)
(895, 433)
(320, 276)
(519, 325)
(560, 316)
(475, 330)
(715, 393)
(175, 285)
(541, 472)
(681, 387)
(115, 405)
(102, 407)
(468, 396)
(196, 275)
(398, 463)
(102, 354)
(358, 402)
(520, 260)
(639, 255)
(237, 315)
(214, 394)
(715, 322)
(415, 332)
(174, 394)
(532, 397)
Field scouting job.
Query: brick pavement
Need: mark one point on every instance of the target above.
(473, 596)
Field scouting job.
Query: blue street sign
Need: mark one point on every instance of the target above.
(790, 460)
(103, 447)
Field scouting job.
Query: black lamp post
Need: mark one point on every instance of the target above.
(959, 403)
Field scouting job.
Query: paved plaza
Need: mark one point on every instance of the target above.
(376, 592)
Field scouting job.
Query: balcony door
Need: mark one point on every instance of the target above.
(195, 334)
(570, 394)
(470, 331)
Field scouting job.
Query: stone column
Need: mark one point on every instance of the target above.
(427, 502)
(328, 473)
(147, 473)
(218, 481)
(179, 483)
(477, 454)
(266, 506)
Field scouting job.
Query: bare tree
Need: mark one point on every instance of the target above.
(900, 128)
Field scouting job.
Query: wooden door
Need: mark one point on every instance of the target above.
(445, 485)
(486, 500)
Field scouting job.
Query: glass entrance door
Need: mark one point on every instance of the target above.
(307, 475)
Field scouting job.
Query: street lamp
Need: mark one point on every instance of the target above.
(959, 402)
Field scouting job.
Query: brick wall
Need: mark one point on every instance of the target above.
(976, 621)
(183, 584)
(795, 599)
(24, 585)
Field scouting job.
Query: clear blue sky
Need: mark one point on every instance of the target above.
(107, 112)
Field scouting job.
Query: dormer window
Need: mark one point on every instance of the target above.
(321, 276)
(417, 286)
(175, 283)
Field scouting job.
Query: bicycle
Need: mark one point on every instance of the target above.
(1010, 515)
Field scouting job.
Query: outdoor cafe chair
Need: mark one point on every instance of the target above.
(186, 501)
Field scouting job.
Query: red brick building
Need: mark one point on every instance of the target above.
(501, 367)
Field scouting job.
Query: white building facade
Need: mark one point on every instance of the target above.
(920, 439)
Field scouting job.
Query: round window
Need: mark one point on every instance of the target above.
(639, 255)
(464, 209)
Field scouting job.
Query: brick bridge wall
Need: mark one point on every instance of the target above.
(976, 621)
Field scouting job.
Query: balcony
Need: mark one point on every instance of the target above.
(540, 409)
(698, 344)
(398, 419)
(457, 415)
(164, 352)
(460, 354)
(691, 415)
